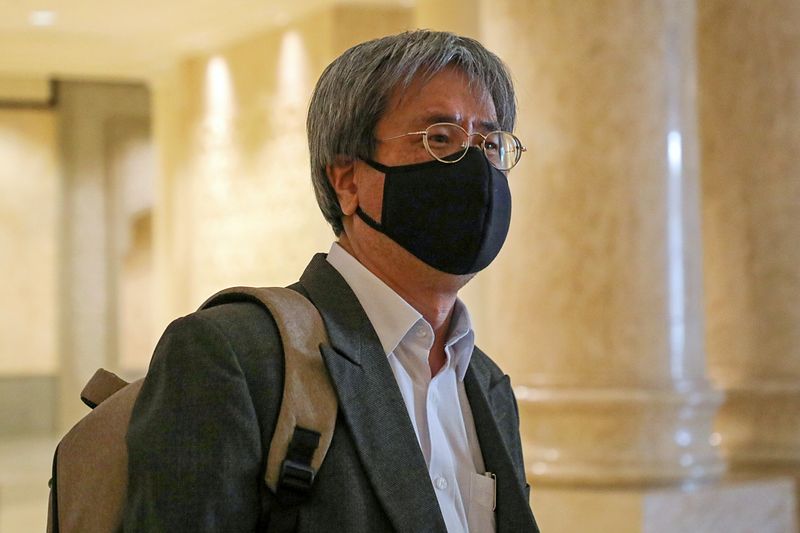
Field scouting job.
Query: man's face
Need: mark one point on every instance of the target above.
(447, 97)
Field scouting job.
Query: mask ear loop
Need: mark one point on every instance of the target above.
(369, 221)
(377, 166)
(399, 169)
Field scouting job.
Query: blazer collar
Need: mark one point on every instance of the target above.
(371, 404)
(349, 329)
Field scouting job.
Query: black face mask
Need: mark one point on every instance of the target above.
(451, 216)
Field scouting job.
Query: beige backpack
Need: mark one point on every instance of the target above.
(90, 466)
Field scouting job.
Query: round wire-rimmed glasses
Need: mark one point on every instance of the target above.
(449, 143)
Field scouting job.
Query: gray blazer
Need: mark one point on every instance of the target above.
(198, 435)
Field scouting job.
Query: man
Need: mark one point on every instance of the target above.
(409, 159)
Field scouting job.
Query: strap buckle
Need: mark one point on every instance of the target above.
(296, 476)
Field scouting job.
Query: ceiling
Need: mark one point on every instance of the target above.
(129, 39)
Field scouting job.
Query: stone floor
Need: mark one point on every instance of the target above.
(25, 465)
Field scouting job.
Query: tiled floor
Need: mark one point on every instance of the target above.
(25, 465)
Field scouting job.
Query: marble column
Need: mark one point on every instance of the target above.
(749, 59)
(91, 117)
(603, 330)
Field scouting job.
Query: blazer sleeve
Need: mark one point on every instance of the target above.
(194, 442)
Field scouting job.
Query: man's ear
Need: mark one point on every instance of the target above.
(341, 174)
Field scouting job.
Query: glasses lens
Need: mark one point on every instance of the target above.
(446, 142)
(502, 149)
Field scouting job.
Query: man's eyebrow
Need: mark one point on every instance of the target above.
(435, 118)
(490, 125)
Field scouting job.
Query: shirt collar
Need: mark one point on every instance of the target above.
(392, 317)
(461, 339)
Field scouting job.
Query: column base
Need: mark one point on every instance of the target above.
(759, 422)
(731, 506)
(638, 437)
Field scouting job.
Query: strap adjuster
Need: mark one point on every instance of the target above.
(296, 476)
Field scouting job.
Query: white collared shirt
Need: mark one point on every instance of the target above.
(438, 405)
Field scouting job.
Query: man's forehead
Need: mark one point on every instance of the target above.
(428, 103)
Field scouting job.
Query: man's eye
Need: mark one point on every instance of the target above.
(439, 138)
(491, 147)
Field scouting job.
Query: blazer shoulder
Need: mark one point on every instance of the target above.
(241, 328)
(253, 337)
(238, 320)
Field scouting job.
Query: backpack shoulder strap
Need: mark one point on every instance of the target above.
(308, 409)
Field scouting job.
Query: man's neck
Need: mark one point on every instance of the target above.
(434, 301)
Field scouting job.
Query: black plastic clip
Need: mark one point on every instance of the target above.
(296, 476)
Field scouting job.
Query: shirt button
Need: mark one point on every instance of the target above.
(441, 483)
(421, 332)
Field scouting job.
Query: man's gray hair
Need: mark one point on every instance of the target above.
(353, 92)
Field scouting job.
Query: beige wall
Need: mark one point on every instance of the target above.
(131, 177)
(29, 215)
(236, 204)
(25, 90)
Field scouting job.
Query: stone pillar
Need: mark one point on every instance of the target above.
(595, 306)
(89, 115)
(749, 59)
(604, 255)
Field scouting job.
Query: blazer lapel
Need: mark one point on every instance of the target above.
(513, 513)
(371, 404)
